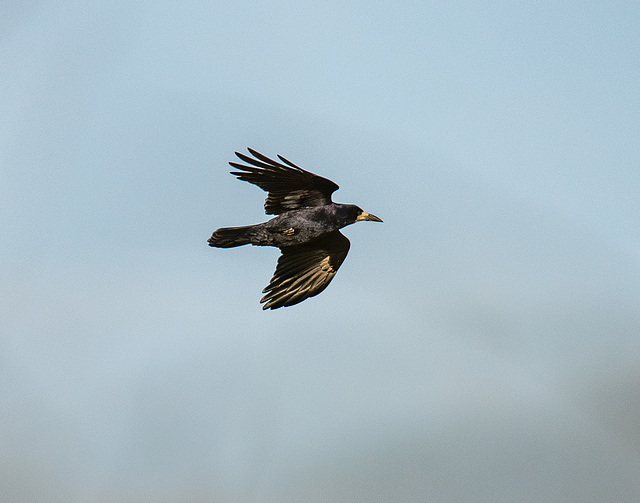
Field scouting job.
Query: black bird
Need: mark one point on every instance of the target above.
(305, 228)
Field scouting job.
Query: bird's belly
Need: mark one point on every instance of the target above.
(292, 234)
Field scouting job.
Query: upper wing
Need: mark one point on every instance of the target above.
(289, 186)
(305, 270)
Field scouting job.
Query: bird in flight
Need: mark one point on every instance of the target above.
(305, 228)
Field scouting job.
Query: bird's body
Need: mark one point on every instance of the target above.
(305, 228)
(288, 229)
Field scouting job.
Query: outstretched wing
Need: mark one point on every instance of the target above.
(289, 186)
(305, 270)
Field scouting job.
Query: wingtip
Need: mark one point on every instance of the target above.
(269, 305)
(242, 156)
(287, 161)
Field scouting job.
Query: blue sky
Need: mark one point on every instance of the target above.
(480, 345)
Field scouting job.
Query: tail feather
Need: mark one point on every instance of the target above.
(228, 237)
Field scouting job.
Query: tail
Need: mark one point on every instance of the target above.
(228, 237)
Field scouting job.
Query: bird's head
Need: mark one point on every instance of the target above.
(350, 213)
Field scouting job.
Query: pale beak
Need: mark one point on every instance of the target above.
(368, 216)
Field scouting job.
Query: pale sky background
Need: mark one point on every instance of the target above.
(481, 345)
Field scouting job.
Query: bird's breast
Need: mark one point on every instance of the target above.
(300, 226)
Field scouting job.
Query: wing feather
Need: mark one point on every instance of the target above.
(305, 270)
(289, 186)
